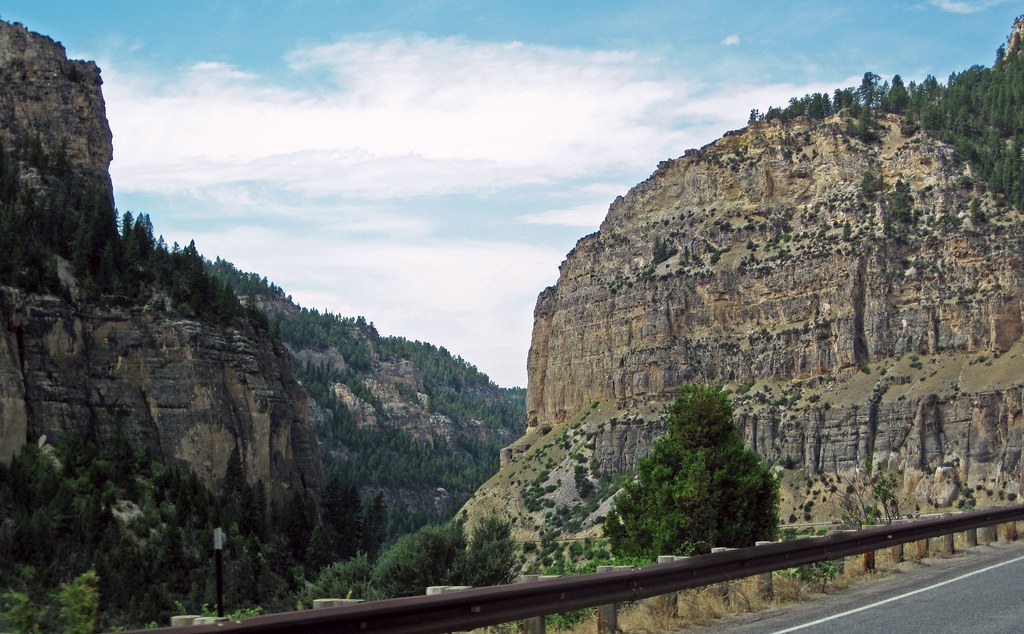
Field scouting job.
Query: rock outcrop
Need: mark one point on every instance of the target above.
(773, 264)
(862, 300)
(186, 391)
(46, 97)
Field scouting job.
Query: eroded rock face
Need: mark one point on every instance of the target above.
(186, 392)
(46, 96)
(776, 259)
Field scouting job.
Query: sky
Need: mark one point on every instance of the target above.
(428, 165)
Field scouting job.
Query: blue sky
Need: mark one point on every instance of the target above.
(429, 164)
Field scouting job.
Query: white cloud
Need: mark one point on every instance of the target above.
(473, 297)
(584, 216)
(965, 6)
(731, 40)
(446, 115)
(337, 190)
(590, 208)
(395, 118)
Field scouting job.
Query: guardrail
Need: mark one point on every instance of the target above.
(478, 607)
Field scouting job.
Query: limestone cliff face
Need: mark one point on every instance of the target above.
(46, 96)
(185, 392)
(864, 301)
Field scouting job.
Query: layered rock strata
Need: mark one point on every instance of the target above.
(864, 302)
(185, 392)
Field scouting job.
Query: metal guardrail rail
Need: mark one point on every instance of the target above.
(478, 607)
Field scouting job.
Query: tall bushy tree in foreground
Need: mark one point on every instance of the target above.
(699, 484)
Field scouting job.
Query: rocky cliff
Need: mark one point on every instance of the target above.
(862, 300)
(774, 265)
(46, 97)
(186, 390)
(406, 420)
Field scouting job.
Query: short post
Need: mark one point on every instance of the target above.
(668, 604)
(845, 562)
(947, 543)
(607, 615)
(922, 548)
(1010, 531)
(764, 580)
(971, 537)
(897, 553)
(988, 535)
(534, 624)
(723, 587)
(607, 618)
(431, 590)
(218, 549)
(868, 560)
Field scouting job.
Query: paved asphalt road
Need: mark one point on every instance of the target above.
(977, 591)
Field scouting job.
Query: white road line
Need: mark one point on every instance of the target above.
(897, 598)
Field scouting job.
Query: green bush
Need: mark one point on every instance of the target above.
(700, 484)
(80, 603)
(19, 613)
(342, 580)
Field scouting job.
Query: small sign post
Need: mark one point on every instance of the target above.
(218, 549)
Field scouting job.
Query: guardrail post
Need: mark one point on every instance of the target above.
(947, 542)
(534, 624)
(608, 614)
(987, 535)
(445, 589)
(607, 618)
(896, 553)
(723, 587)
(765, 589)
(971, 537)
(845, 562)
(868, 559)
(922, 548)
(1009, 531)
(668, 604)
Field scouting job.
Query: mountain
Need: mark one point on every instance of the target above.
(402, 419)
(86, 348)
(849, 266)
(141, 404)
(149, 395)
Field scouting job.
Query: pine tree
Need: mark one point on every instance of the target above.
(699, 487)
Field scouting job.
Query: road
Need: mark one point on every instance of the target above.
(976, 591)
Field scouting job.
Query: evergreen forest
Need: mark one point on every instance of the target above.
(385, 457)
(980, 111)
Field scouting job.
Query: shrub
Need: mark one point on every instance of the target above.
(699, 484)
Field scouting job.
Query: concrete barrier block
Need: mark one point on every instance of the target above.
(333, 603)
(183, 620)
